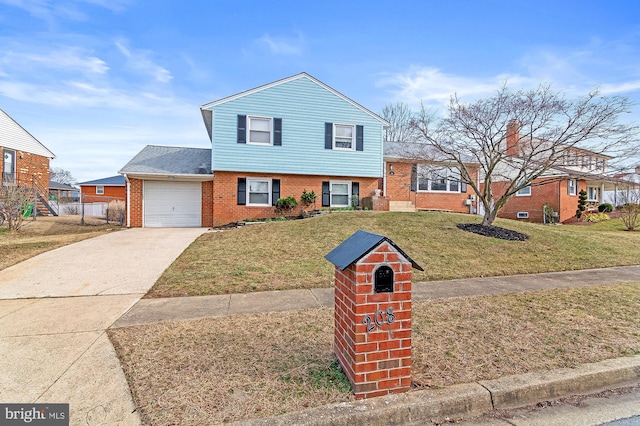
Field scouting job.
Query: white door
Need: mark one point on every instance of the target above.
(172, 204)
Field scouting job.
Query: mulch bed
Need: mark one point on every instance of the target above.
(493, 231)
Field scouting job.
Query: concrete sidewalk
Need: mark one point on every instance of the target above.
(183, 308)
(54, 313)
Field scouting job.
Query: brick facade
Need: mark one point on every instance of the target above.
(110, 192)
(374, 355)
(29, 167)
(225, 194)
(135, 203)
(552, 193)
(398, 188)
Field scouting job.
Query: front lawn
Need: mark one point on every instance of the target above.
(225, 369)
(290, 255)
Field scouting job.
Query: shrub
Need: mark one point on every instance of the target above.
(582, 203)
(605, 208)
(286, 205)
(115, 211)
(308, 198)
(596, 217)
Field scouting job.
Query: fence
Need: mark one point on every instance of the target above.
(112, 209)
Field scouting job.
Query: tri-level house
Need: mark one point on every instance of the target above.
(25, 161)
(274, 141)
(558, 188)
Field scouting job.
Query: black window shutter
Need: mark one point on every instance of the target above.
(275, 191)
(463, 186)
(355, 192)
(326, 195)
(359, 138)
(277, 131)
(414, 177)
(242, 129)
(242, 191)
(328, 135)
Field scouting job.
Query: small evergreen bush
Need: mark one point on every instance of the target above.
(605, 208)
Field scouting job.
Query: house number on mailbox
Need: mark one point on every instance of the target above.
(379, 318)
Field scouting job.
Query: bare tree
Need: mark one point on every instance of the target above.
(60, 175)
(515, 137)
(630, 207)
(400, 116)
(14, 201)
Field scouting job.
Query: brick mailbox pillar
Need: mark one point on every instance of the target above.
(373, 314)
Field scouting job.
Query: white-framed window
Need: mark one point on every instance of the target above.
(592, 193)
(344, 136)
(524, 192)
(9, 166)
(438, 180)
(572, 187)
(258, 192)
(259, 130)
(523, 215)
(340, 193)
(100, 189)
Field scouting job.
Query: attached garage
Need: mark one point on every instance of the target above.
(172, 204)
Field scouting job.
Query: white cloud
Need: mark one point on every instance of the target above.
(434, 88)
(282, 45)
(51, 10)
(67, 58)
(139, 61)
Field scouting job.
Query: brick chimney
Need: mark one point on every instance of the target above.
(513, 128)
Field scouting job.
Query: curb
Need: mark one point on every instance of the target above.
(467, 400)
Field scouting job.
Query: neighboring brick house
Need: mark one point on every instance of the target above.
(558, 188)
(25, 161)
(104, 190)
(412, 184)
(273, 141)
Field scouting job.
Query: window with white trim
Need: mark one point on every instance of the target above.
(523, 215)
(571, 187)
(592, 193)
(100, 189)
(9, 166)
(344, 136)
(259, 130)
(340, 193)
(524, 192)
(438, 180)
(259, 192)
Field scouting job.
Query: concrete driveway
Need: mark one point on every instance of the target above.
(55, 308)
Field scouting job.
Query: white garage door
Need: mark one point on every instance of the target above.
(172, 204)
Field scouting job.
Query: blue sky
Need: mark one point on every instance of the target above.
(97, 80)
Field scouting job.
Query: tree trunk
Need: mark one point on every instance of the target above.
(489, 217)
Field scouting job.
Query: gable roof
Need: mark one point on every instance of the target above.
(117, 180)
(359, 245)
(169, 160)
(286, 80)
(14, 136)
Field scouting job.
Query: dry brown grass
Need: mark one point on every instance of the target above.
(46, 233)
(290, 255)
(224, 369)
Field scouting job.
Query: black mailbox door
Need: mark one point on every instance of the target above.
(383, 280)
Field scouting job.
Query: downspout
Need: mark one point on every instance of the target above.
(384, 179)
(126, 178)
